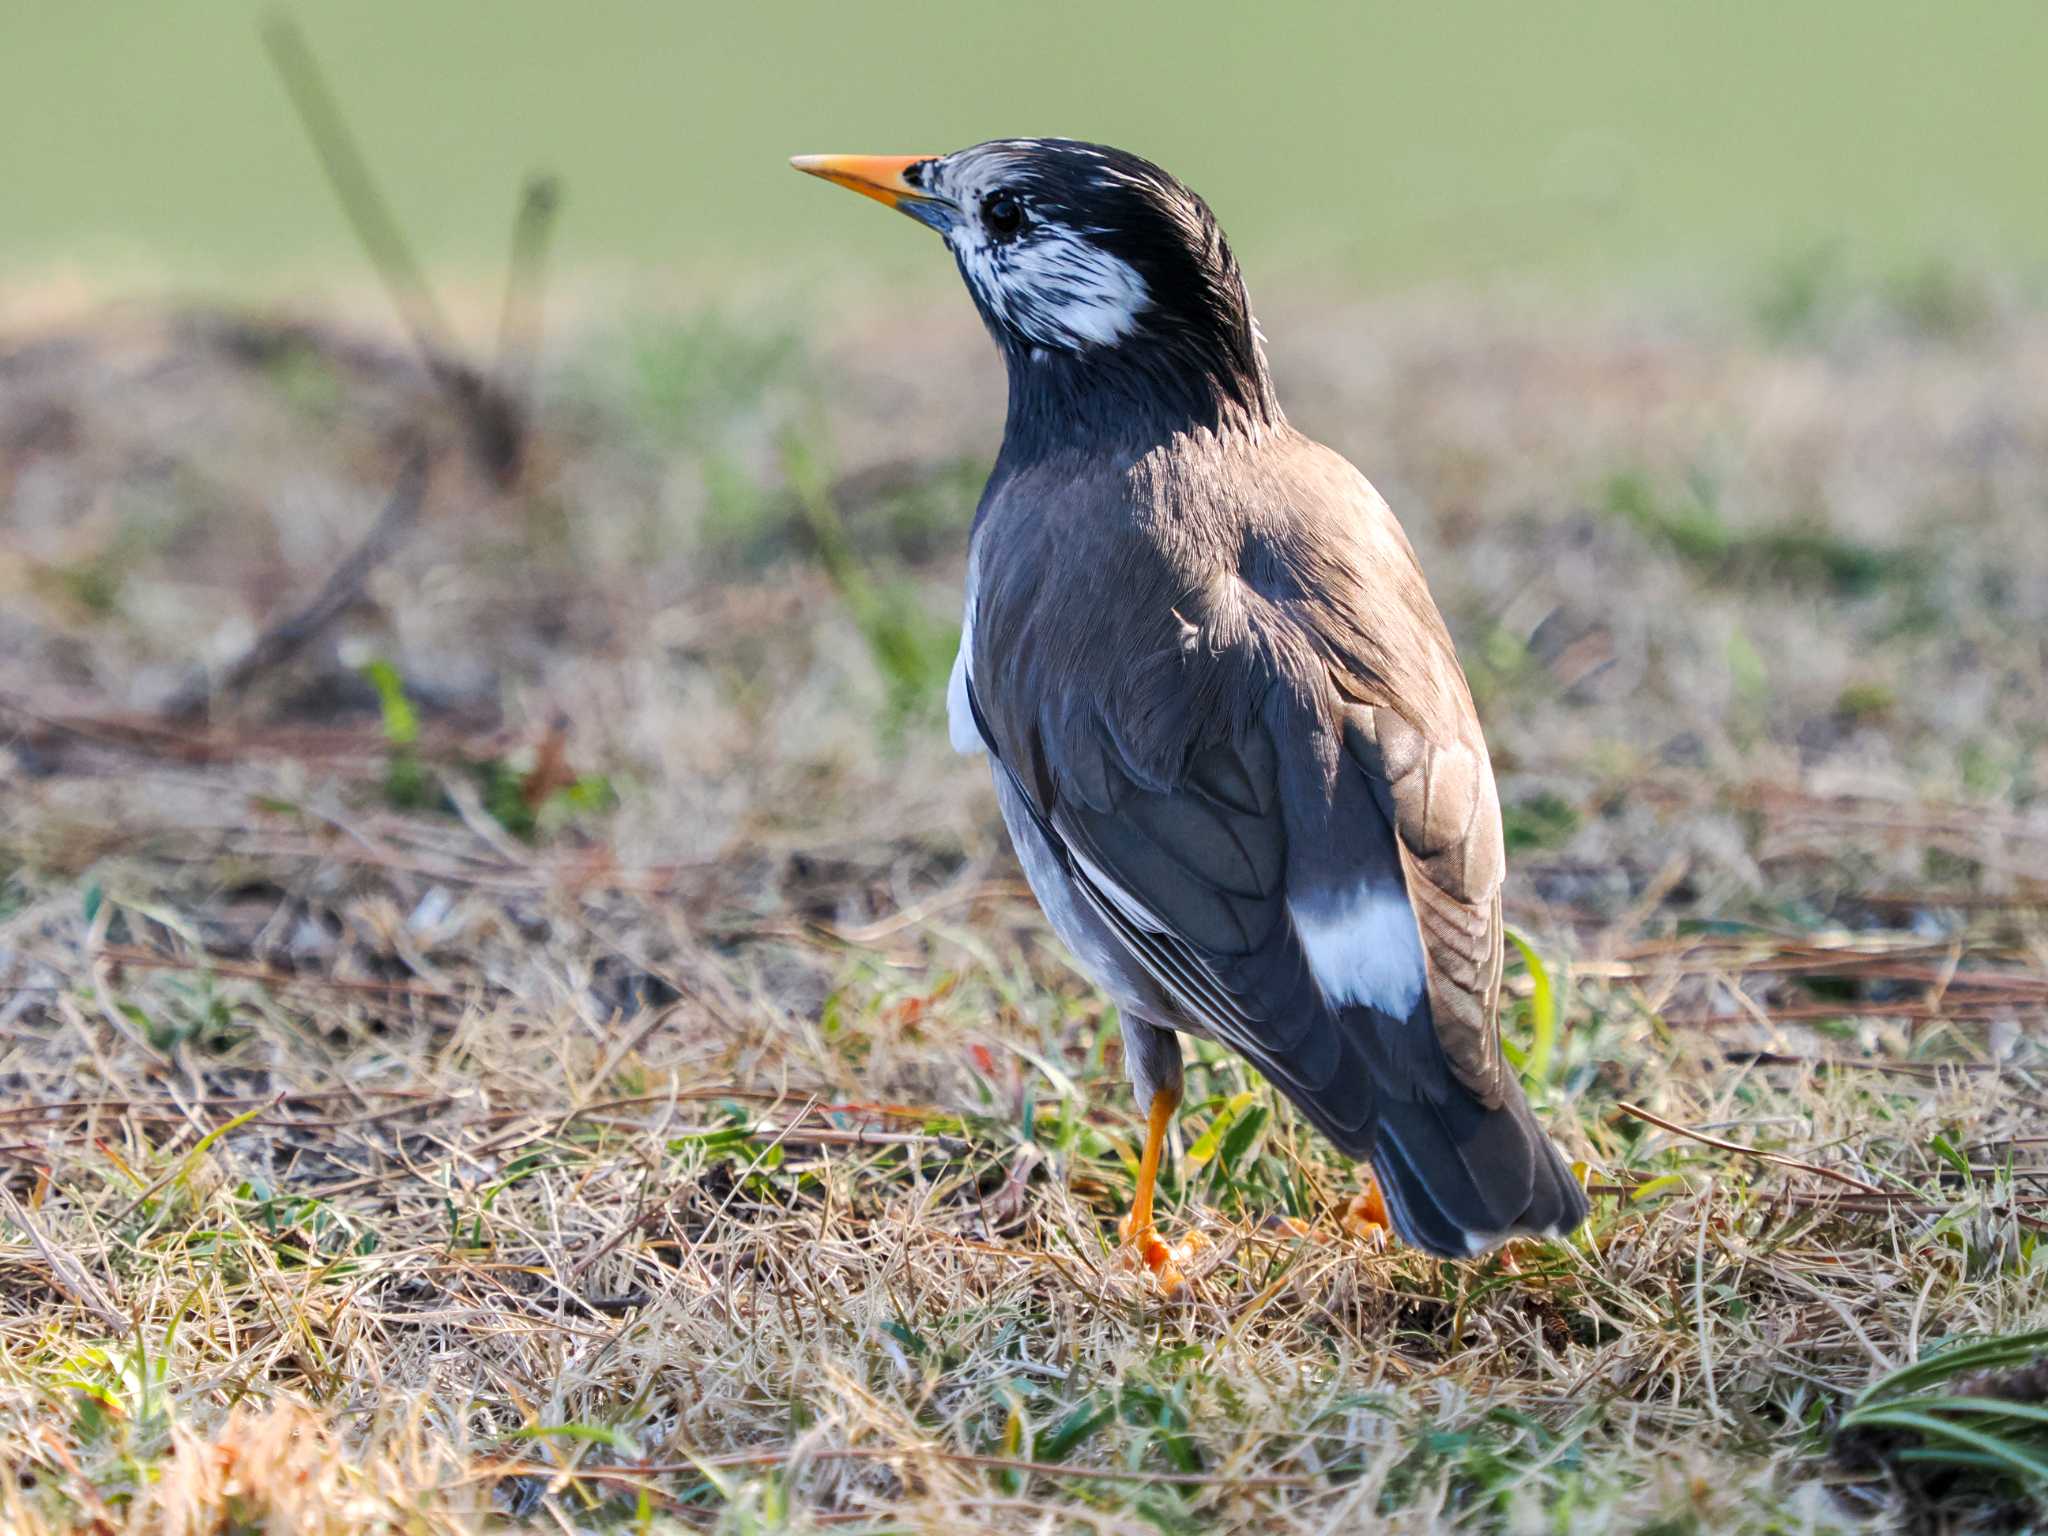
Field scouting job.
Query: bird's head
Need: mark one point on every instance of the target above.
(1097, 273)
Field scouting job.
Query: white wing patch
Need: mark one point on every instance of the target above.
(1363, 947)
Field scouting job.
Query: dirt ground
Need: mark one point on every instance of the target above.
(556, 1036)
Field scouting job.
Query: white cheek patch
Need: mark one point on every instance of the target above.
(1054, 287)
(1363, 947)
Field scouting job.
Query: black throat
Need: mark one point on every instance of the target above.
(1132, 396)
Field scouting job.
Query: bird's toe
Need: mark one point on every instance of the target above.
(1366, 1215)
(1164, 1260)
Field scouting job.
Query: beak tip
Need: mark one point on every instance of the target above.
(877, 176)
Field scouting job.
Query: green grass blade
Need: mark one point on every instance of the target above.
(1976, 1355)
(1535, 1064)
(1986, 1407)
(2012, 1457)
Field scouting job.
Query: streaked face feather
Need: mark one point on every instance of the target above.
(1051, 283)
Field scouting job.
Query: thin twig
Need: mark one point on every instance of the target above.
(494, 416)
(214, 965)
(627, 1473)
(1733, 1146)
(519, 320)
(362, 203)
(284, 637)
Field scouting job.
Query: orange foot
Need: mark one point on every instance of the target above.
(1366, 1215)
(1162, 1258)
(1363, 1216)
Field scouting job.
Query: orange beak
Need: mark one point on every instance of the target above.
(878, 176)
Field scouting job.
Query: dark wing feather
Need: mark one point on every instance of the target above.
(1446, 814)
(1193, 881)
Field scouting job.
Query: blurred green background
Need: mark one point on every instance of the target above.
(1384, 143)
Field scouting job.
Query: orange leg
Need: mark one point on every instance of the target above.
(1138, 1230)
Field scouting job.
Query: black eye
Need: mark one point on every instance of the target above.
(1002, 213)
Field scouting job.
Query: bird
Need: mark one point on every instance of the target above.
(1229, 734)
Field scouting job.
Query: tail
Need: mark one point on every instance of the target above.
(1460, 1178)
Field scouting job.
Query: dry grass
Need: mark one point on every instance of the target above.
(622, 1084)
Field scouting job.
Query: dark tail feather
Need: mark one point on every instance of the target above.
(1460, 1178)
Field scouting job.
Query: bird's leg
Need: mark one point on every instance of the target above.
(1138, 1230)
